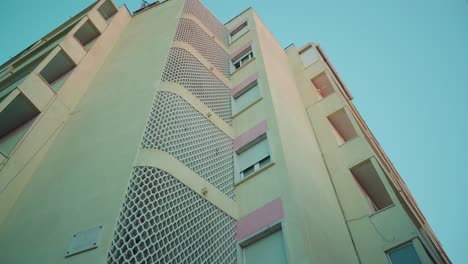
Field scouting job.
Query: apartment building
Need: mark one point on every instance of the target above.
(165, 136)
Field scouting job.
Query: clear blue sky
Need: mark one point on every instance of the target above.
(405, 62)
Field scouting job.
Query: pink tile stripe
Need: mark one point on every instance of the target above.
(244, 83)
(241, 49)
(250, 135)
(259, 219)
(238, 25)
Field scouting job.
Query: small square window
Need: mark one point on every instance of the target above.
(371, 185)
(57, 71)
(342, 127)
(107, 10)
(309, 56)
(86, 35)
(241, 30)
(254, 157)
(243, 59)
(405, 254)
(322, 85)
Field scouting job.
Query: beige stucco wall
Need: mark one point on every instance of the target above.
(81, 182)
(373, 232)
(314, 228)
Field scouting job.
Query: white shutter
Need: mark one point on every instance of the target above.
(245, 99)
(253, 155)
(268, 250)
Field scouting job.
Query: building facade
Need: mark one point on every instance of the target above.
(165, 136)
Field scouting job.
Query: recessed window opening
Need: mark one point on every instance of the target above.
(107, 10)
(342, 126)
(57, 71)
(309, 56)
(243, 59)
(241, 30)
(371, 185)
(268, 248)
(254, 156)
(323, 85)
(15, 119)
(245, 98)
(405, 254)
(87, 35)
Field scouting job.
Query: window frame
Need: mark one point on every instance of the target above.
(259, 235)
(399, 246)
(241, 59)
(256, 166)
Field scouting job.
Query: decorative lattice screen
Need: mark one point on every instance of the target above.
(189, 32)
(184, 69)
(163, 221)
(175, 127)
(195, 8)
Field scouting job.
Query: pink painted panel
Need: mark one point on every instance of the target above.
(241, 49)
(244, 83)
(238, 25)
(250, 135)
(259, 219)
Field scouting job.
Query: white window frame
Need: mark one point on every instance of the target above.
(244, 58)
(262, 233)
(240, 175)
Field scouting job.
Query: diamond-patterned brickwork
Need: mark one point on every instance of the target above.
(164, 221)
(189, 32)
(197, 9)
(183, 68)
(177, 128)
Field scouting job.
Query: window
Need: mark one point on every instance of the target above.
(254, 156)
(15, 119)
(243, 59)
(239, 31)
(342, 126)
(56, 72)
(245, 97)
(404, 255)
(269, 249)
(107, 10)
(87, 34)
(308, 56)
(370, 184)
(322, 85)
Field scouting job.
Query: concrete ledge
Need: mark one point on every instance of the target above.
(166, 162)
(197, 104)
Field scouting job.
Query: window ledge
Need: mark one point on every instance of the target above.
(247, 107)
(381, 210)
(232, 42)
(344, 143)
(236, 183)
(243, 66)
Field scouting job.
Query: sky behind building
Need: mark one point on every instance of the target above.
(405, 62)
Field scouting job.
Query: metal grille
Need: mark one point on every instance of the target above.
(181, 67)
(197, 9)
(177, 128)
(189, 32)
(163, 221)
